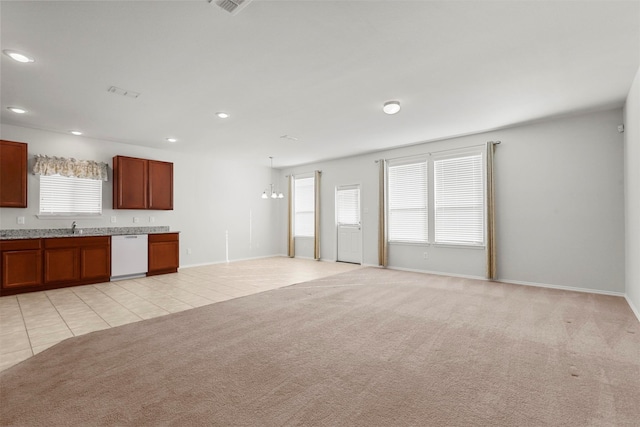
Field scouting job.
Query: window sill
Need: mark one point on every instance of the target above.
(437, 245)
(460, 246)
(69, 216)
(397, 242)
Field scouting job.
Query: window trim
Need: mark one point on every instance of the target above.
(296, 178)
(430, 159)
(404, 162)
(68, 215)
(347, 188)
(457, 153)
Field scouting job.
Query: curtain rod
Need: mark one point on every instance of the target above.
(303, 173)
(439, 151)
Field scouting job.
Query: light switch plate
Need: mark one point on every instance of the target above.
(136, 219)
(20, 220)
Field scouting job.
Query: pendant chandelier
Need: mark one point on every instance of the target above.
(272, 193)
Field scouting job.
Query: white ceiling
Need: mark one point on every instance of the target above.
(315, 70)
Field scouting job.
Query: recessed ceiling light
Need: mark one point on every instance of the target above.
(171, 139)
(76, 132)
(17, 56)
(391, 107)
(17, 110)
(222, 115)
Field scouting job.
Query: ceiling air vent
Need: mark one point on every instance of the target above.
(123, 92)
(231, 6)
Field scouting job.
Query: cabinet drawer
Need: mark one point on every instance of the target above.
(163, 237)
(18, 245)
(67, 242)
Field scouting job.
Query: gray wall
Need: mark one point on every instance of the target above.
(212, 196)
(560, 205)
(632, 193)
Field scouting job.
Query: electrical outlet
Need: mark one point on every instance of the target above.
(20, 220)
(189, 251)
(152, 219)
(136, 219)
(425, 255)
(114, 219)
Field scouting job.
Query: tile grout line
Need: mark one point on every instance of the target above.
(59, 314)
(24, 322)
(92, 286)
(90, 308)
(161, 292)
(141, 297)
(134, 295)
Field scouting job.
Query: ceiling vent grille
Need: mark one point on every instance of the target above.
(231, 6)
(123, 92)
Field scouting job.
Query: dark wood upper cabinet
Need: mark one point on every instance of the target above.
(142, 184)
(130, 179)
(160, 185)
(13, 174)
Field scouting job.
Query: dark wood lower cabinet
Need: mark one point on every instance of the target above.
(61, 265)
(95, 262)
(28, 265)
(77, 260)
(41, 264)
(164, 253)
(21, 266)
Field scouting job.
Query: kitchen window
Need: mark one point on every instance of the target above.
(70, 187)
(61, 195)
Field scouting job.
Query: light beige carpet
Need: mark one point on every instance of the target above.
(366, 348)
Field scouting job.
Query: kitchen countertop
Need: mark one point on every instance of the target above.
(39, 233)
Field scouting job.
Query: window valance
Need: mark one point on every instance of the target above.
(87, 169)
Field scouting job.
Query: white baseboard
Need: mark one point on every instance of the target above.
(516, 282)
(437, 273)
(563, 288)
(633, 307)
(225, 262)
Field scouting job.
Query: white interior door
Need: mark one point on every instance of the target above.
(348, 224)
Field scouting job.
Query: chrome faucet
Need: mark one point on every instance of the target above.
(73, 227)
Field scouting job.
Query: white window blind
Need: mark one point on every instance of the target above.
(408, 202)
(304, 207)
(348, 202)
(459, 200)
(64, 195)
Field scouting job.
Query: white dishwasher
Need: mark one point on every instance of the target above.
(129, 256)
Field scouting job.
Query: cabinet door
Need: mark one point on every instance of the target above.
(13, 174)
(95, 262)
(160, 185)
(21, 268)
(130, 183)
(61, 265)
(164, 253)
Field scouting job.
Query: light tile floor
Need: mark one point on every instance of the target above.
(33, 322)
